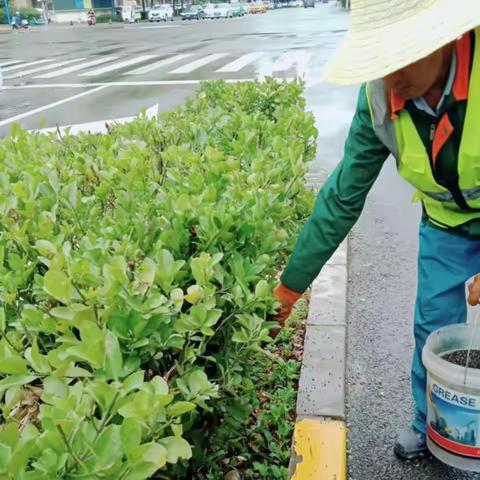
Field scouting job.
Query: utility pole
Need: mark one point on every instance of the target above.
(45, 12)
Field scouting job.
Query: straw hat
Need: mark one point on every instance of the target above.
(386, 35)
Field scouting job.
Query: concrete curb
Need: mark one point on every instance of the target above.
(319, 448)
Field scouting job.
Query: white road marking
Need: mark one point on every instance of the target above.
(29, 64)
(76, 68)
(50, 105)
(149, 83)
(24, 73)
(158, 26)
(10, 62)
(241, 62)
(190, 67)
(99, 126)
(298, 58)
(117, 66)
(159, 64)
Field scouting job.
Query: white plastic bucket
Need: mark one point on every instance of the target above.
(453, 405)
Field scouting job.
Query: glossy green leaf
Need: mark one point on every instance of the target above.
(194, 294)
(113, 356)
(108, 447)
(5, 456)
(152, 453)
(262, 290)
(15, 380)
(179, 408)
(130, 434)
(37, 361)
(58, 285)
(46, 248)
(133, 381)
(146, 273)
(10, 361)
(3, 320)
(176, 448)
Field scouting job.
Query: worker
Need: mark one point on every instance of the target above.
(17, 21)
(419, 61)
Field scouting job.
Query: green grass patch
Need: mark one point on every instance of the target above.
(254, 438)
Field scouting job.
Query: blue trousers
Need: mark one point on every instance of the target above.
(445, 263)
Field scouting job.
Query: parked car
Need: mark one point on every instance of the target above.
(270, 5)
(246, 10)
(237, 9)
(161, 13)
(131, 13)
(193, 12)
(309, 3)
(211, 11)
(258, 7)
(225, 10)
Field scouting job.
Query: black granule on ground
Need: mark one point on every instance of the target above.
(459, 357)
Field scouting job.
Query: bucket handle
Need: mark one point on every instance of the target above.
(475, 325)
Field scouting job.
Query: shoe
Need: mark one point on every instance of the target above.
(411, 444)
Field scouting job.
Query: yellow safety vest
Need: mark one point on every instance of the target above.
(413, 161)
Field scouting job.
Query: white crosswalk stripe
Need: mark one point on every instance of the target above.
(264, 63)
(156, 26)
(29, 64)
(241, 62)
(10, 62)
(117, 66)
(196, 64)
(159, 64)
(298, 58)
(76, 68)
(24, 73)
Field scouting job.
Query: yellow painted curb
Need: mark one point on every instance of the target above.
(319, 450)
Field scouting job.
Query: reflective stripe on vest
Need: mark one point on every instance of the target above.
(412, 158)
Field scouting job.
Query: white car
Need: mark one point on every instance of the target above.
(225, 10)
(211, 11)
(217, 10)
(161, 13)
(131, 13)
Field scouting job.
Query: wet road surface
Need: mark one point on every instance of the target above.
(58, 71)
(382, 287)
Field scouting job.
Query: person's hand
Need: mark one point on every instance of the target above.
(474, 291)
(287, 299)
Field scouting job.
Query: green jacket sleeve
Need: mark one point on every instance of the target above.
(339, 202)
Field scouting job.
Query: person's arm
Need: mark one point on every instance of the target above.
(339, 202)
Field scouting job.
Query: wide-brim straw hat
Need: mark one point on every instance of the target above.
(386, 35)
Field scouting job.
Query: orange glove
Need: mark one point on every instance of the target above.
(287, 299)
(474, 291)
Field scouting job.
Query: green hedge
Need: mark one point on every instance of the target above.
(136, 272)
(28, 13)
(109, 18)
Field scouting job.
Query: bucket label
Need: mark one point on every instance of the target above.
(453, 420)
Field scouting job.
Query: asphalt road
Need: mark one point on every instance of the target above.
(69, 75)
